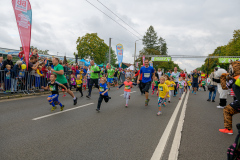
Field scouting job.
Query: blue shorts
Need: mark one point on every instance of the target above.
(194, 85)
(115, 79)
(161, 102)
(110, 80)
(54, 97)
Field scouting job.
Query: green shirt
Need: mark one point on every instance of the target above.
(110, 73)
(60, 78)
(94, 75)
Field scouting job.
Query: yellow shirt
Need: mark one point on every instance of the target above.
(162, 90)
(172, 85)
(189, 83)
(167, 82)
(78, 82)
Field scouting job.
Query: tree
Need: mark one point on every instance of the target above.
(231, 49)
(91, 46)
(45, 52)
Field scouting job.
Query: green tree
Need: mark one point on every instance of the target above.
(91, 46)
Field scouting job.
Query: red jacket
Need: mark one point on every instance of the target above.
(138, 74)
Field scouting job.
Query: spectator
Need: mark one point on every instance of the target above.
(1, 74)
(35, 52)
(7, 61)
(159, 73)
(128, 74)
(14, 76)
(7, 72)
(213, 88)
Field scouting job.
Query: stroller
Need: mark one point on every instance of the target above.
(233, 152)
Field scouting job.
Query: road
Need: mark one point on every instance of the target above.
(30, 130)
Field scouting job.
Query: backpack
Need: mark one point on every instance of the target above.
(233, 152)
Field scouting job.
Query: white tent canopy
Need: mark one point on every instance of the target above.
(131, 67)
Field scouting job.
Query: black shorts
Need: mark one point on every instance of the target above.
(146, 86)
(66, 85)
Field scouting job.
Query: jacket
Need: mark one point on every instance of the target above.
(211, 78)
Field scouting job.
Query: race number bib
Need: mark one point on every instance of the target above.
(146, 75)
(127, 87)
(101, 89)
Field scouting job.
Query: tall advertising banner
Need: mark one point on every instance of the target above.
(143, 58)
(23, 14)
(119, 48)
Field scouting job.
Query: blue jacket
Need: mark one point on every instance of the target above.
(14, 71)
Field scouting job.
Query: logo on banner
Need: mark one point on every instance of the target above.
(21, 5)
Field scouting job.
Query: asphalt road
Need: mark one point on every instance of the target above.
(115, 133)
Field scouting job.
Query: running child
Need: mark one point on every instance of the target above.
(189, 83)
(186, 87)
(171, 88)
(103, 91)
(154, 85)
(79, 84)
(203, 84)
(181, 86)
(168, 83)
(53, 87)
(72, 82)
(85, 83)
(163, 93)
(127, 89)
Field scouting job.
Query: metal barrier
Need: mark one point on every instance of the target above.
(21, 82)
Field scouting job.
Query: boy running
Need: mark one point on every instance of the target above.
(53, 86)
(181, 85)
(79, 84)
(171, 88)
(128, 85)
(103, 90)
(110, 75)
(163, 93)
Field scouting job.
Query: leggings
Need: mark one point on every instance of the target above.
(175, 88)
(95, 82)
(171, 93)
(80, 90)
(181, 90)
(126, 96)
(101, 97)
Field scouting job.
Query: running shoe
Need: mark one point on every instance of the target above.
(192, 91)
(53, 108)
(98, 110)
(220, 107)
(174, 95)
(176, 92)
(213, 101)
(169, 101)
(226, 131)
(199, 89)
(209, 100)
(195, 93)
(179, 98)
(146, 102)
(159, 113)
(126, 105)
(75, 101)
(152, 93)
(88, 96)
(62, 107)
(64, 95)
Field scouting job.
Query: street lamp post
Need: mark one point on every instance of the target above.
(135, 54)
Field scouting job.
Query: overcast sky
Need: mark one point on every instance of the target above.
(190, 27)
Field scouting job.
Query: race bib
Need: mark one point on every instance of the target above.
(146, 75)
(101, 89)
(127, 87)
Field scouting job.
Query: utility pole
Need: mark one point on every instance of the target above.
(109, 60)
(135, 54)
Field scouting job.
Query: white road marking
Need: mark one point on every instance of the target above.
(157, 155)
(173, 155)
(130, 92)
(48, 115)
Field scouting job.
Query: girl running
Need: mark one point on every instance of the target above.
(72, 82)
(154, 85)
(127, 89)
(181, 85)
(163, 93)
(79, 84)
(85, 82)
(171, 88)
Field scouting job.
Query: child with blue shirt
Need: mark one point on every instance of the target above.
(103, 90)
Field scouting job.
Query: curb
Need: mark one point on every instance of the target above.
(22, 95)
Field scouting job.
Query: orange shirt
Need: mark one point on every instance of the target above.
(128, 86)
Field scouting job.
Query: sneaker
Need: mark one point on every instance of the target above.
(209, 100)
(126, 105)
(220, 107)
(192, 91)
(174, 95)
(176, 92)
(169, 101)
(213, 101)
(146, 102)
(88, 96)
(98, 110)
(62, 107)
(75, 101)
(159, 113)
(53, 108)
(199, 89)
(81, 95)
(152, 93)
(195, 93)
(179, 98)
(64, 95)
(226, 131)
